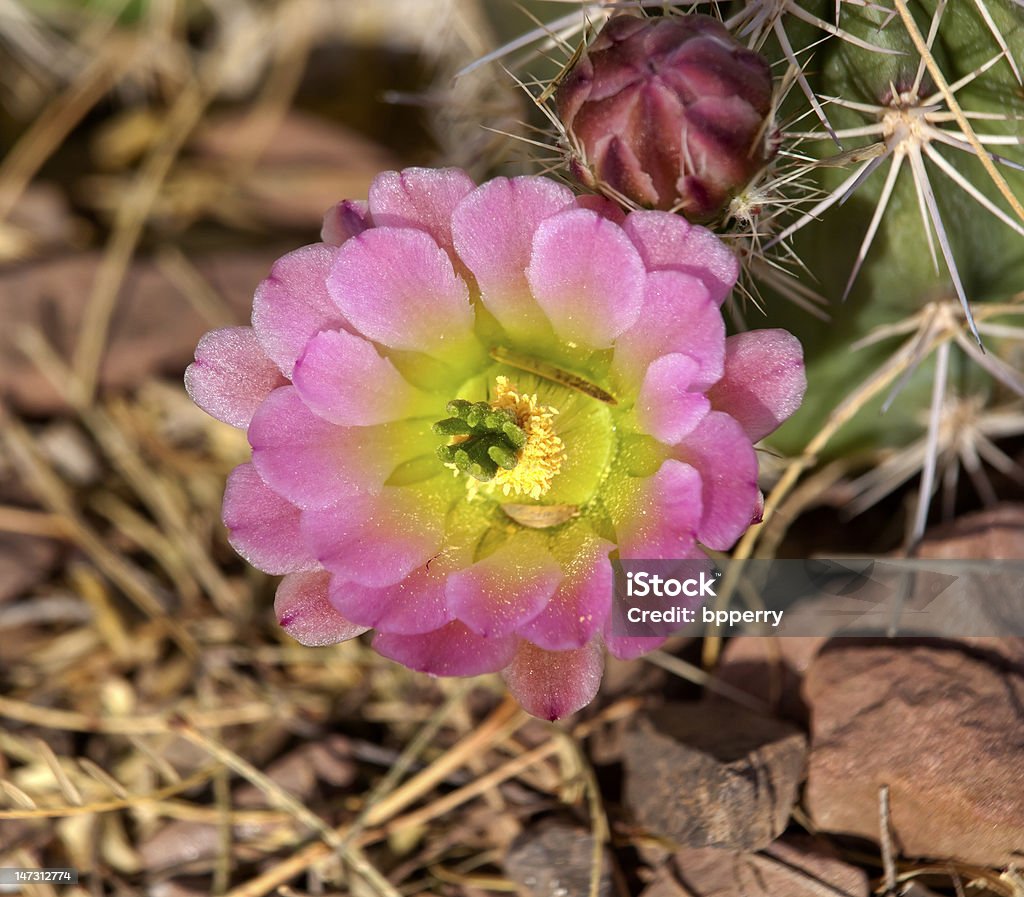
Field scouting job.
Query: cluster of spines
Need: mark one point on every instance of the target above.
(485, 439)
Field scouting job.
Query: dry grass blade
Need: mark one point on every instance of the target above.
(133, 582)
(483, 882)
(505, 719)
(202, 296)
(979, 879)
(269, 109)
(309, 856)
(136, 529)
(158, 495)
(599, 829)
(108, 623)
(222, 802)
(32, 811)
(54, 124)
(408, 756)
(31, 523)
(103, 777)
(18, 796)
(684, 670)
(477, 788)
(278, 796)
(156, 724)
(128, 225)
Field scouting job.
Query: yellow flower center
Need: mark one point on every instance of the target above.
(541, 457)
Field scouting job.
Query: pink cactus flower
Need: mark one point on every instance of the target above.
(466, 400)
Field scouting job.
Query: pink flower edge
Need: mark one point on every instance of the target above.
(409, 272)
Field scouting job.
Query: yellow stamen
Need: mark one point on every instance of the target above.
(541, 458)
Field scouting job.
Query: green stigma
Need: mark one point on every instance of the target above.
(485, 439)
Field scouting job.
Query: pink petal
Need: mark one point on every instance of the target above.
(665, 407)
(508, 588)
(262, 527)
(422, 198)
(764, 380)
(678, 316)
(721, 452)
(398, 287)
(663, 515)
(313, 463)
(493, 230)
(669, 241)
(415, 605)
(231, 375)
(375, 540)
(758, 509)
(304, 612)
(452, 650)
(553, 684)
(579, 606)
(586, 276)
(342, 379)
(344, 221)
(628, 647)
(293, 304)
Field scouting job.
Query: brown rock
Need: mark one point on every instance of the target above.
(794, 867)
(624, 678)
(180, 843)
(554, 859)
(712, 774)
(665, 884)
(155, 328)
(770, 669)
(186, 845)
(942, 728)
(993, 534)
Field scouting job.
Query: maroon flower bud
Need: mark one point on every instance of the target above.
(668, 111)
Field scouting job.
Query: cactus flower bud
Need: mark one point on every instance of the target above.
(670, 112)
